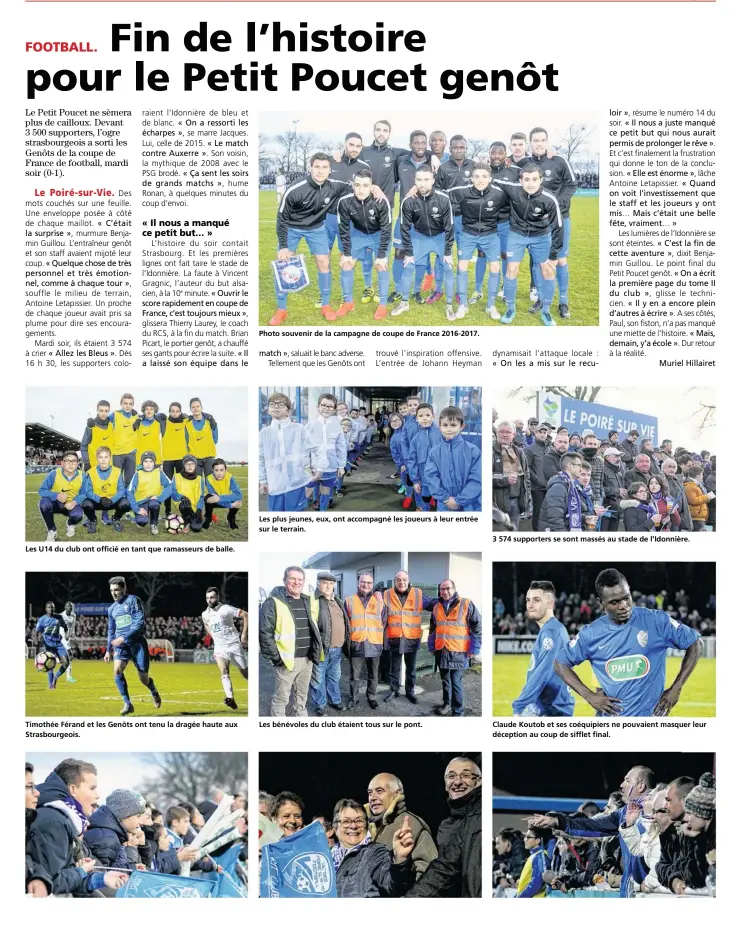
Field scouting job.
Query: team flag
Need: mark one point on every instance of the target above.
(290, 275)
(298, 866)
(167, 886)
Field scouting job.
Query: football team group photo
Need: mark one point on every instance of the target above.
(424, 219)
(119, 465)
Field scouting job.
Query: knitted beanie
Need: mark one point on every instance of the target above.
(124, 803)
(701, 799)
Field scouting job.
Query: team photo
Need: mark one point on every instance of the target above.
(491, 221)
(112, 466)
(143, 643)
(594, 639)
(370, 449)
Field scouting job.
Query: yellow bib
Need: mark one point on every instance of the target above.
(71, 487)
(100, 437)
(220, 487)
(201, 442)
(148, 484)
(191, 489)
(101, 487)
(174, 441)
(124, 435)
(149, 438)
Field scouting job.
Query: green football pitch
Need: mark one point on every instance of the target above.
(186, 690)
(698, 697)
(583, 276)
(218, 531)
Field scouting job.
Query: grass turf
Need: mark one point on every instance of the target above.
(186, 690)
(698, 697)
(583, 285)
(218, 531)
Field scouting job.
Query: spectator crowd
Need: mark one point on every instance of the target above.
(574, 611)
(381, 848)
(185, 633)
(650, 838)
(551, 479)
(78, 846)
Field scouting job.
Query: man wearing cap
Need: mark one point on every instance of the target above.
(530, 435)
(404, 606)
(613, 489)
(367, 618)
(334, 630)
(535, 455)
(455, 637)
(110, 827)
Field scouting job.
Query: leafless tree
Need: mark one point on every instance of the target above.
(306, 145)
(573, 139)
(477, 149)
(286, 142)
(72, 586)
(150, 586)
(578, 393)
(190, 776)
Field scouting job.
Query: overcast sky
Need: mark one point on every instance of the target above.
(678, 410)
(115, 769)
(67, 409)
(485, 124)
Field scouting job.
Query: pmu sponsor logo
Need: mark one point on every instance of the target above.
(632, 667)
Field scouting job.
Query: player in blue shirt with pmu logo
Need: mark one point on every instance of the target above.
(51, 625)
(544, 692)
(627, 650)
(126, 641)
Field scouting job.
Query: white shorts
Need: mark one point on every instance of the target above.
(233, 653)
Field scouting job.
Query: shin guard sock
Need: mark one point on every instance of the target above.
(346, 283)
(227, 684)
(464, 286)
(493, 281)
(324, 281)
(324, 501)
(562, 277)
(383, 279)
(510, 286)
(420, 275)
(367, 268)
(546, 293)
(479, 271)
(438, 274)
(397, 271)
(448, 281)
(404, 283)
(122, 686)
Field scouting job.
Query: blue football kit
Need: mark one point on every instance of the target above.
(544, 692)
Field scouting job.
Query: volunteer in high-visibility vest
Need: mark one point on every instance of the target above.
(59, 494)
(104, 490)
(455, 637)
(367, 618)
(404, 631)
(290, 641)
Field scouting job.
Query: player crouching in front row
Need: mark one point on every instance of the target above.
(104, 490)
(59, 495)
(188, 492)
(223, 491)
(148, 489)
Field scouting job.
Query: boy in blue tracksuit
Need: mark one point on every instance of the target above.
(544, 692)
(104, 489)
(454, 467)
(531, 882)
(148, 489)
(51, 625)
(427, 437)
(410, 428)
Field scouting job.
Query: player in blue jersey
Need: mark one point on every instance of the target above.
(126, 641)
(627, 650)
(544, 692)
(51, 627)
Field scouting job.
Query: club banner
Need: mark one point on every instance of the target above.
(290, 275)
(298, 866)
(228, 863)
(600, 418)
(168, 886)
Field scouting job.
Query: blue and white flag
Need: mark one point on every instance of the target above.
(230, 884)
(290, 275)
(298, 866)
(166, 886)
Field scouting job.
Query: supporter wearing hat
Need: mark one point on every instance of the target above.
(110, 828)
(334, 630)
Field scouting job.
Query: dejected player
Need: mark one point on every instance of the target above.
(627, 650)
(51, 627)
(126, 641)
(544, 693)
(229, 644)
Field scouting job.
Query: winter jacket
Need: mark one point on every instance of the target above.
(613, 483)
(428, 215)
(453, 175)
(698, 501)
(554, 509)
(500, 485)
(454, 469)
(597, 475)
(629, 452)
(559, 178)
(531, 883)
(678, 492)
(635, 476)
(552, 464)
(384, 827)
(480, 210)
(535, 457)
(283, 456)
(654, 466)
(267, 628)
(710, 486)
(684, 857)
(305, 205)
(369, 871)
(457, 871)
(35, 871)
(366, 216)
(106, 837)
(634, 518)
(581, 866)
(450, 659)
(54, 842)
(325, 621)
(395, 447)
(514, 861)
(422, 443)
(535, 215)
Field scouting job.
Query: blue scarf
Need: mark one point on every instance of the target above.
(574, 506)
(75, 805)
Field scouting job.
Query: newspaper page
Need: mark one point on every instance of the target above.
(370, 358)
